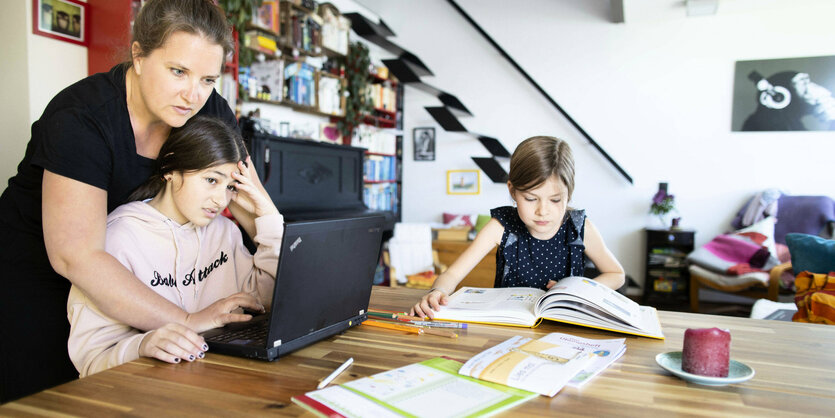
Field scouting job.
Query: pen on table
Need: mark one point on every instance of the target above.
(439, 332)
(394, 326)
(439, 324)
(335, 373)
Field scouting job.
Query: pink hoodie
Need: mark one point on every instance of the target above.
(191, 267)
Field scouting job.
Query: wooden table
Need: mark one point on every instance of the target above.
(794, 364)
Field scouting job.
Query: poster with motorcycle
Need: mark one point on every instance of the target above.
(790, 94)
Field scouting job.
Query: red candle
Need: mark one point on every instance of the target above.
(706, 352)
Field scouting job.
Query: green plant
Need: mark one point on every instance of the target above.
(238, 13)
(356, 72)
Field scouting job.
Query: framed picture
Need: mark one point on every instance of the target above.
(424, 140)
(463, 182)
(66, 20)
(787, 94)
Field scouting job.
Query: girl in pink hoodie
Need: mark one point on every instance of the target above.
(178, 244)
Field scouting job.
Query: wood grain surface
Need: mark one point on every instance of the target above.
(794, 364)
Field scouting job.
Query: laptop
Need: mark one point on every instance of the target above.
(322, 287)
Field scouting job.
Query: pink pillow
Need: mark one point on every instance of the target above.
(451, 219)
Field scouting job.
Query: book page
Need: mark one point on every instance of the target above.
(509, 305)
(591, 292)
(541, 366)
(430, 388)
(605, 352)
(650, 326)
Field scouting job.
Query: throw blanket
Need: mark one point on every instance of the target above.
(815, 298)
(734, 254)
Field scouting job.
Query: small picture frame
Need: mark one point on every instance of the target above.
(463, 182)
(424, 144)
(66, 20)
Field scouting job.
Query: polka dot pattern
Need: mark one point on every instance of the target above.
(524, 261)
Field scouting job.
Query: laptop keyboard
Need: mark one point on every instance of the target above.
(257, 334)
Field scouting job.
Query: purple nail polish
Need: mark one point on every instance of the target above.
(191, 357)
(177, 360)
(205, 347)
(201, 355)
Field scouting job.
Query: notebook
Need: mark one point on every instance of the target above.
(322, 287)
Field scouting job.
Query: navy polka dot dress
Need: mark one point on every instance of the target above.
(524, 261)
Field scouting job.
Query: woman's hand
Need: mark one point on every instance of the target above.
(221, 313)
(429, 303)
(251, 196)
(172, 343)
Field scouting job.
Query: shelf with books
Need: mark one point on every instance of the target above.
(667, 277)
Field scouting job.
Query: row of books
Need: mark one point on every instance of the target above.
(379, 168)
(380, 196)
(261, 41)
(228, 88)
(272, 80)
(300, 83)
(376, 140)
(382, 97)
(299, 29)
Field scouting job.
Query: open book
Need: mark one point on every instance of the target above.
(542, 366)
(573, 300)
(431, 388)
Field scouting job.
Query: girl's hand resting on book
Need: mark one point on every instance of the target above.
(172, 343)
(429, 303)
(550, 284)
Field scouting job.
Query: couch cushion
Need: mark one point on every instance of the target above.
(811, 253)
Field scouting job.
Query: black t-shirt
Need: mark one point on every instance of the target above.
(84, 134)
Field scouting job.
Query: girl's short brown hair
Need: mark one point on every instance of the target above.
(538, 158)
(158, 19)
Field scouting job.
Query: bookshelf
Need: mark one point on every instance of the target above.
(311, 43)
(667, 277)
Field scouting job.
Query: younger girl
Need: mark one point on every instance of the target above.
(541, 240)
(178, 244)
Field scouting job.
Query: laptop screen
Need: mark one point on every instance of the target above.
(325, 274)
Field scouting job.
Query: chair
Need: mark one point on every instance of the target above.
(743, 285)
(410, 253)
(807, 214)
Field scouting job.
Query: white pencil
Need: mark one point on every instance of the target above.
(335, 373)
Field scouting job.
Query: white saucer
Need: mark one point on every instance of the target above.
(737, 372)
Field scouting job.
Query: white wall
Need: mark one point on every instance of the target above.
(14, 83)
(34, 69)
(654, 92)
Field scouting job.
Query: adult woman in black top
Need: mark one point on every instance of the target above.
(95, 142)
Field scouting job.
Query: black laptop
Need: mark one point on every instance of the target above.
(322, 287)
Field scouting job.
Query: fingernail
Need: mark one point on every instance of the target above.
(201, 355)
(205, 347)
(191, 357)
(177, 360)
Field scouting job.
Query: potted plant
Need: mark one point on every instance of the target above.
(663, 206)
(238, 13)
(356, 73)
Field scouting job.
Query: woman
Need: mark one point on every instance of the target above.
(95, 142)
